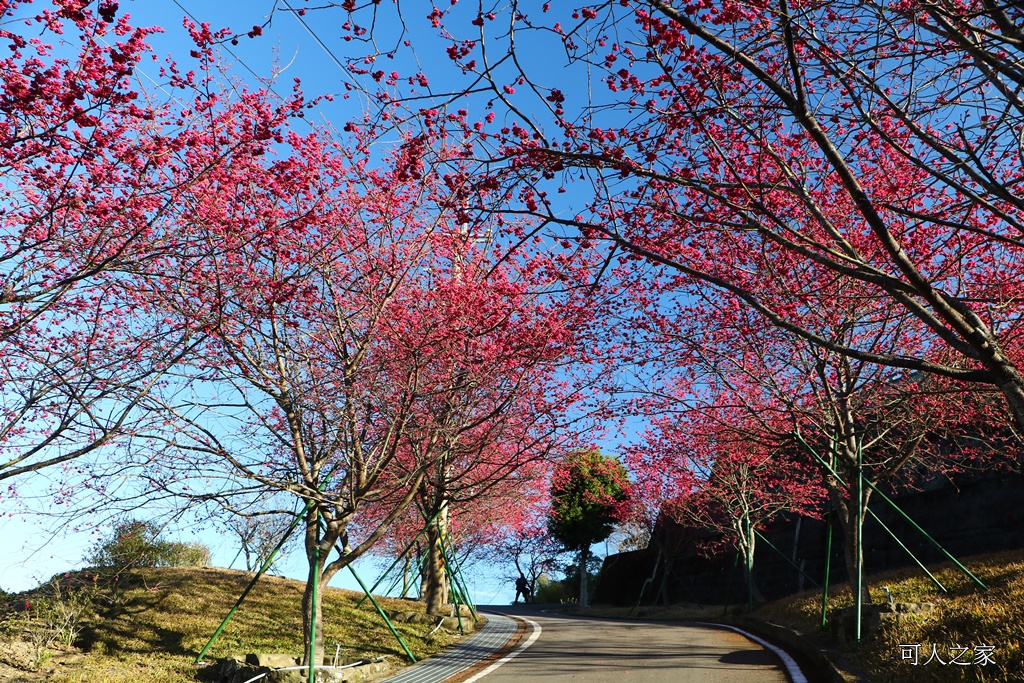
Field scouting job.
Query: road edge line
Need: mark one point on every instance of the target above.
(792, 668)
(512, 655)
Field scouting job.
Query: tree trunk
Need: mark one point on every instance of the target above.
(846, 511)
(437, 574)
(1011, 384)
(747, 549)
(406, 576)
(313, 606)
(584, 589)
(424, 574)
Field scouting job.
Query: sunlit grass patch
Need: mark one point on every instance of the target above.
(153, 623)
(965, 623)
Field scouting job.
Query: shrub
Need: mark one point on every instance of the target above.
(187, 555)
(138, 544)
(553, 592)
(62, 607)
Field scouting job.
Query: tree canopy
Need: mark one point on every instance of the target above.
(589, 495)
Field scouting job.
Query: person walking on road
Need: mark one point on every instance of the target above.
(522, 588)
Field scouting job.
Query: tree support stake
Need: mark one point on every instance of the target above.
(263, 569)
(828, 567)
(397, 559)
(905, 516)
(791, 562)
(380, 611)
(312, 615)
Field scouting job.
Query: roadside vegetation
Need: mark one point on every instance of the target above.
(151, 622)
(965, 617)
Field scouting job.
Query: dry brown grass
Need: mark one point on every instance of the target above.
(153, 627)
(964, 617)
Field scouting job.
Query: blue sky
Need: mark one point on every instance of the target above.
(35, 546)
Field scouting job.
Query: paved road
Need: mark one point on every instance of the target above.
(614, 651)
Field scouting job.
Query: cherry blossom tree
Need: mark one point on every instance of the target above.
(499, 427)
(871, 143)
(712, 466)
(95, 170)
(489, 432)
(359, 343)
(314, 293)
(785, 397)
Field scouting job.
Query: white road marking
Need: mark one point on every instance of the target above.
(512, 655)
(791, 666)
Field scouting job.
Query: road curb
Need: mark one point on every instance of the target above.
(834, 672)
(503, 651)
(471, 655)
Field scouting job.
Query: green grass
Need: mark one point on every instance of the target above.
(154, 624)
(965, 616)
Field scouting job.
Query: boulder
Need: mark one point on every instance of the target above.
(843, 622)
(237, 669)
(271, 660)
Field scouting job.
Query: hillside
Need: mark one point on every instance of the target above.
(151, 623)
(964, 617)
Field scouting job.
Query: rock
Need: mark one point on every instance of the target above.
(843, 622)
(292, 676)
(238, 669)
(914, 607)
(271, 660)
(421, 618)
(464, 611)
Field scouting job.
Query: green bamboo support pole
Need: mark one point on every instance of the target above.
(263, 569)
(682, 584)
(458, 606)
(905, 548)
(931, 540)
(828, 567)
(905, 516)
(380, 611)
(384, 576)
(237, 555)
(393, 586)
(728, 586)
(859, 593)
(460, 583)
(311, 655)
(783, 555)
(249, 587)
(664, 581)
(397, 559)
(419, 568)
(261, 572)
(455, 573)
(452, 585)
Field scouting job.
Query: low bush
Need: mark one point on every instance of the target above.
(136, 543)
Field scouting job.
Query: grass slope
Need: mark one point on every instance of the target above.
(153, 622)
(965, 616)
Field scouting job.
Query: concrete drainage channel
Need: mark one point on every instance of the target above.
(488, 640)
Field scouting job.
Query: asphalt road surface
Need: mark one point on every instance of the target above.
(616, 651)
